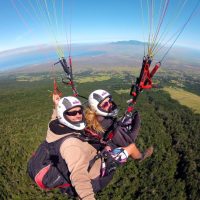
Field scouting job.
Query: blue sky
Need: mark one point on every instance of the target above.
(92, 21)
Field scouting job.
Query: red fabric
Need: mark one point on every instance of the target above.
(64, 185)
(93, 133)
(70, 61)
(70, 83)
(134, 94)
(146, 82)
(110, 136)
(40, 175)
(130, 109)
(154, 70)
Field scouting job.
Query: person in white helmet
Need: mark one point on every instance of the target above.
(68, 119)
(101, 112)
(101, 119)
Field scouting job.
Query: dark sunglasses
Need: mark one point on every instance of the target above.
(105, 104)
(74, 113)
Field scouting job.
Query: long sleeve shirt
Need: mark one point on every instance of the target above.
(77, 155)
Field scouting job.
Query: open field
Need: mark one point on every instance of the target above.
(93, 79)
(185, 98)
(121, 91)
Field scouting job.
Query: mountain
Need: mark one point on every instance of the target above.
(102, 55)
(129, 42)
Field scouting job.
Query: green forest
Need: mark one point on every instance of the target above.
(172, 173)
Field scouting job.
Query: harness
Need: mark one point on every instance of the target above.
(144, 81)
(68, 80)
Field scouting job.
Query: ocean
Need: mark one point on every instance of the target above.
(9, 61)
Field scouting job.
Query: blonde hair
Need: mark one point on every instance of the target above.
(92, 121)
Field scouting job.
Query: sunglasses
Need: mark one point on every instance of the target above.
(106, 104)
(74, 113)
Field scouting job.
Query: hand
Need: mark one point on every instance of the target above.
(108, 148)
(129, 119)
(56, 99)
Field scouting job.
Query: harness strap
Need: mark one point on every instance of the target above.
(99, 155)
(93, 133)
(104, 156)
(53, 151)
(109, 132)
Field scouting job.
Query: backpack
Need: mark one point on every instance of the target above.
(48, 169)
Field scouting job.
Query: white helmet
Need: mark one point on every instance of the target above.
(65, 104)
(96, 98)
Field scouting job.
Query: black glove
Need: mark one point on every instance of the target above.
(110, 163)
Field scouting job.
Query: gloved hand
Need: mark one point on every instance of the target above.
(110, 163)
(130, 121)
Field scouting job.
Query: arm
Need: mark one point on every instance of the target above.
(56, 99)
(77, 158)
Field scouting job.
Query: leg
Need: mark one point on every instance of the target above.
(135, 153)
(135, 126)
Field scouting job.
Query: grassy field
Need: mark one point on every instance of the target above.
(185, 98)
(122, 91)
(101, 76)
(93, 79)
(30, 78)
